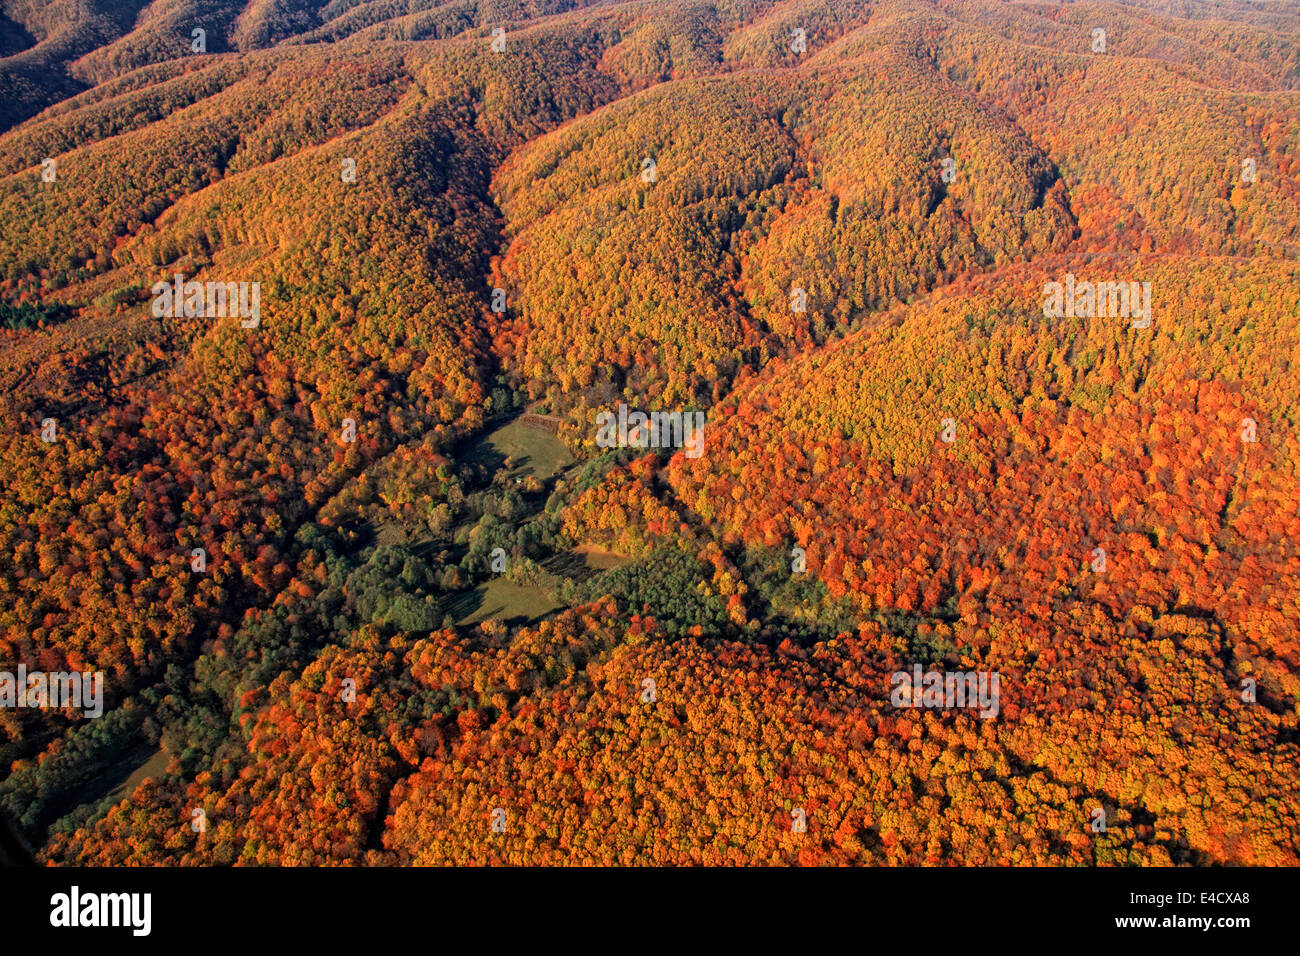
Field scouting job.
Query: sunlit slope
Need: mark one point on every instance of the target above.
(657, 243)
(970, 453)
(1161, 145)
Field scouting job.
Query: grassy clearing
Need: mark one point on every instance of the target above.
(155, 766)
(498, 598)
(598, 559)
(535, 451)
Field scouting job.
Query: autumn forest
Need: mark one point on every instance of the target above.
(650, 432)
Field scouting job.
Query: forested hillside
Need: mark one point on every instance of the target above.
(369, 585)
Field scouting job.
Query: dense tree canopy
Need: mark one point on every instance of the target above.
(365, 585)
